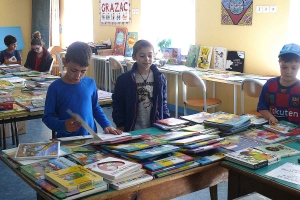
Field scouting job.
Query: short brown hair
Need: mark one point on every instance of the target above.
(141, 44)
(79, 53)
(289, 57)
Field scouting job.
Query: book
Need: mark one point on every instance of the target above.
(131, 39)
(283, 127)
(192, 56)
(178, 169)
(265, 136)
(278, 149)
(37, 170)
(6, 85)
(32, 105)
(131, 182)
(85, 158)
(38, 150)
(252, 158)
(257, 121)
(133, 174)
(173, 55)
(210, 156)
(205, 57)
(172, 121)
(201, 129)
(72, 178)
(220, 58)
(176, 158)
(112, 168)
(198, 117)
(120, 41)
(235, 61)
(168, 128)
(204, 143)
(202, 148)
(175, 135)
(194, 139)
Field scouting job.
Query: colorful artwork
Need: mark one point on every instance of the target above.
(115, 12)
(192, 56)
(237, 12)
(205, 57)
(120, 40)
(173, 55)
(131, 40)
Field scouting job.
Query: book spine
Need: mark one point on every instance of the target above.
(51, 189)
(62, 162)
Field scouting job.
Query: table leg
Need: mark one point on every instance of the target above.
(176, 95)
(3, 135)
(213, 190)
(234, 98)
(17, 134)
(12, 133)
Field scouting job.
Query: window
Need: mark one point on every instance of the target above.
(168, 19)
(78, 21)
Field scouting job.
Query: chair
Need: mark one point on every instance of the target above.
(60, 64)
(190, 79)
(115, 69)
(252, 88)
(51, 66)
(128, 66)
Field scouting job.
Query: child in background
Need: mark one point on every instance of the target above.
(38, 59)
(10, 55)
(280, 96)
(75, 92)
(140, 95)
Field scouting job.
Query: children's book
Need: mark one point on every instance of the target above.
(175, 135)
(252, 158)
(178, 169)
(205, 57)
(79, 137)
(131, 39)
(198, 117)
(112, 168)
(73, 178)
(6, 85)
(172, 121)
(235, 61)
(120, 41)
(131, 182)
(201, 149)
(38, 150)
(226, 121)
(133, 174)
(210, 156)
(176, 158)
(257, 121)
(283, 127)
(32, 105)
(265, 136)
(278, 149)
(204, 143)
(192, 56)
(194, 139)
(37, 170)
(173, 55)
(201, 129)
(168, 128)
(220, 58)
(88, 158)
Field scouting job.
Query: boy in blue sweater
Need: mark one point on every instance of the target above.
(76, 92)
(10, 55)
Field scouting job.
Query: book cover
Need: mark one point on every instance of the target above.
(235, 61)
(265, 136)
(38, 150)
(278, 149)
(257, 121)
(174, 135)
(198, 117)
(226, 121)
(131, 182)
(210, 156)
(192, 56)
(202, 148)
(220, 58)
(252, 158)
(194, 139)
(131, 39)
(130, 175)
(205, 57)
(89, 157)
(178, 169)
(204, 143)
(32, 105)
(201, 129)
(172, 121)
(73, 178)
(167, 128)
(173, 55)
(112, 168)
(283, 127)
(176, 158)
(120, 41)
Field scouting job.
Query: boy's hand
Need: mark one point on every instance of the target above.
(273, 120)
(72, 125)
(112, 130)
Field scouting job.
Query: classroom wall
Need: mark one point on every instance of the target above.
(18, 14)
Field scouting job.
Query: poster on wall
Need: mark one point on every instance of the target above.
(115, 12)
(237, 12)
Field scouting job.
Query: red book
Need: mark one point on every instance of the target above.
(120, 41)
(172, 121)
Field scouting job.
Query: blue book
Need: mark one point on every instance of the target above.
(154, 151)
(130, 41)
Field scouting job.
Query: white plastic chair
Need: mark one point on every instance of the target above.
(60, 64)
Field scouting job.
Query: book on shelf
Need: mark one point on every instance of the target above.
(194, 139)
(235, 61)
(32, 105)
(265, 136)
(278, 149)
(173, 55)
(131, 182)
(113, 168)
(220, 58)
(172, 121)
(120, 41)
(252, 158)
(176, 158)
(192, 56)
(210, 156)
(205, 57)
(38, 150)
(283, 127)
(73, 178)
(131, 39)
(198, 117)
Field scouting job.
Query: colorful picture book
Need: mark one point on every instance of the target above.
(73, 178)
(174, 135)
(38, 150)
(113, 168)
(176, 158)
(178, 169)
(120, 41)
(226, 121)
(166, 127)
(220, 58)
(133, 174)
(194, 139)
(130, 182)
(210, 156)
(173, 55)
(265, 136)
(235, 61)
(202, 148)
(278, 149)
(252, 158)
(172, 121)
(257, 121)
(88, 158)
(283, 127)
(205, 57)
(238, 142)
(32, 105)
(201, 129)
(131, 39)
(192, 56)
(198, 117)
(204, 143)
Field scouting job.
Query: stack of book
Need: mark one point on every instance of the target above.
(257, 121)
(32, 105)
(6, 102)
(119, 173)
(170, 123)
(198, 117)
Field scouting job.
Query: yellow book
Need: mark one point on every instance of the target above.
(73, 178)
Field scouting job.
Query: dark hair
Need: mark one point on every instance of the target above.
(37, 39)
(141, 44)
(79, 53)
(9, 39)
(289, 57)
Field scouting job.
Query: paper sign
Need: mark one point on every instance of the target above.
(288, 172)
